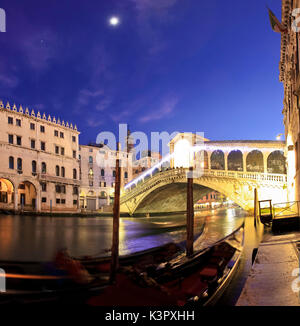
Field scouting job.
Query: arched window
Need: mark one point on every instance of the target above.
(102, 172)
(33, 165)
(74, 174)
(19, 164)
(217, 161)
(235, 161)
(276, 163)
(255, 161)
(90, 159)
(57, 170)
(63, 172)
(11, 163)
(44, 167)
(125, 174)
(103, 194)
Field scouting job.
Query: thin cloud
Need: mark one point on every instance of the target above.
(39, 49)
(103, 104)
(149, 14)
(86, 97)
(93, 123)
(8, 80)
(167, 108)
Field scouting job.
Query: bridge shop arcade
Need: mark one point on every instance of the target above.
(232, 168)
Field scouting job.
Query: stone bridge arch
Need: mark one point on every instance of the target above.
(159, 187)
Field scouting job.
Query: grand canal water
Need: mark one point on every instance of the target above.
(28, 238)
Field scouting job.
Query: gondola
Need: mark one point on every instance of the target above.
(197, 280)
(42, 282)
(159, 276)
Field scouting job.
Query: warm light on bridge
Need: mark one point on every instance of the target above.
(182, 154)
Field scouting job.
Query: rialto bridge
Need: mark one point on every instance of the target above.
(233, 168)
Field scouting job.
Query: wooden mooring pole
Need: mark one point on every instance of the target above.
(190, 215)
(116, 221)
(255, 206)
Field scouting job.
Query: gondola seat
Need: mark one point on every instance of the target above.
(209, 273)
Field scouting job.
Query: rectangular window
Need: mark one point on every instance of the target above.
(42, 128)
(10, 121)
(32, 143)
(63, 189)
(32, 126)
(18, 122)
(44, 200)
(43, 146)
(44, 186)
(58, 189)
(74, 154)
(63, 201)
(11, 139)
(74, 139)
(91, 183)
(74, 202)
(55, 133)
(61, 135)
(62, 151)
(57, 200)
(56, 150)
(19, 140)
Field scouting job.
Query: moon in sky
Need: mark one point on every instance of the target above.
(114, 21)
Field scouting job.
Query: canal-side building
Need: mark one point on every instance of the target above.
(290, 78)
(148, 159)
(211, 200)
(97, 174)
(39, 166)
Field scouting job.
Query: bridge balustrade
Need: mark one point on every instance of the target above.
(159, 177)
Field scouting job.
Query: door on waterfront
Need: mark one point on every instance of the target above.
(91, 204)
(22, 199)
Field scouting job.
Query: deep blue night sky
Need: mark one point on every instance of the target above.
(170, 65)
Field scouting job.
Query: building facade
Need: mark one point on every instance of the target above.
(39, 167)
(97, 173)
(148, 159)
(290, 78)
(212, 200)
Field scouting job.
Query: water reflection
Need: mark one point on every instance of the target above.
(38, 238)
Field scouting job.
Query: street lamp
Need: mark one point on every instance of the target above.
(278, 137)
